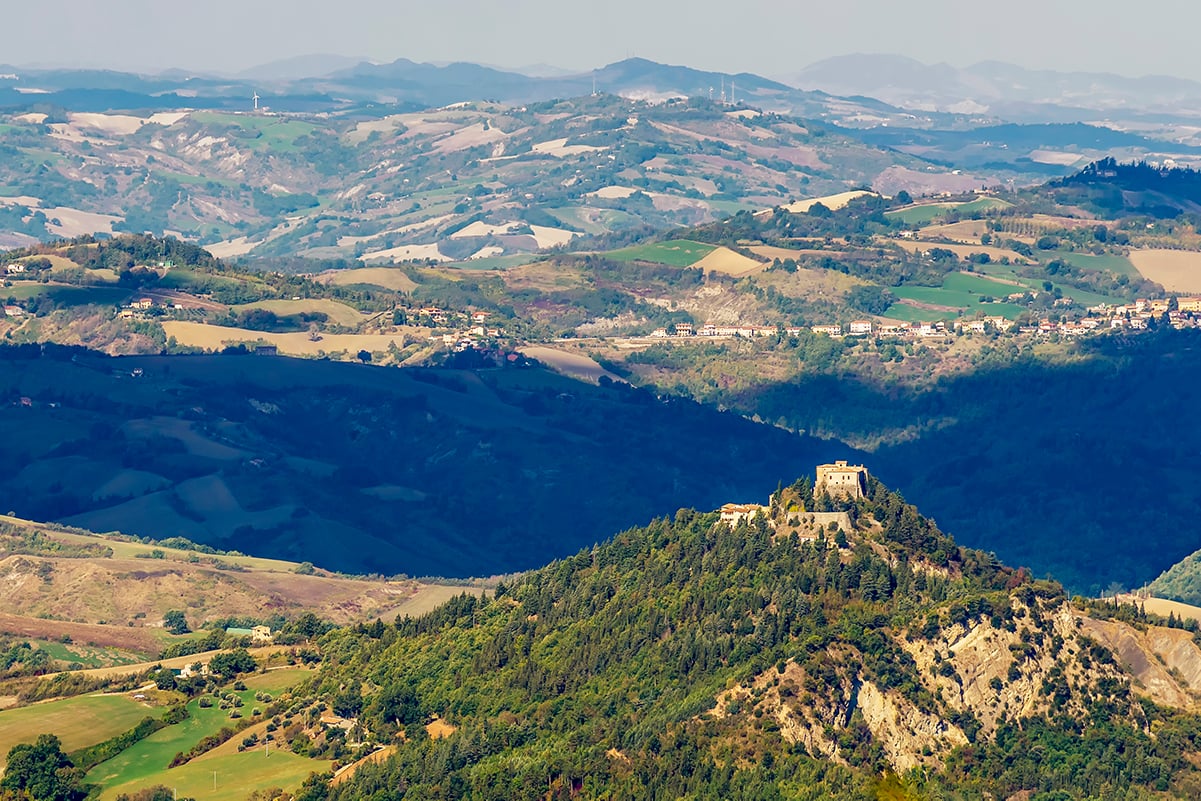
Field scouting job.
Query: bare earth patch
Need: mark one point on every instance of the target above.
(724, 260)
(1176, 270)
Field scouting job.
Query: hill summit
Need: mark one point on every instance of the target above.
(804, 648)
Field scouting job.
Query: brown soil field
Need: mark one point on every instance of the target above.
(131, 595)
(1176, 270)
(724, 260)
(116, 591)
(144, 641)
(386, 277)
(214, 337)
(543, 276)
(967, 231)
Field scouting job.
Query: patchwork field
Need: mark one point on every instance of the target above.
(1176, 270)
(959, 293)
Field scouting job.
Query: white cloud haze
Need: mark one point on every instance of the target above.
(768, 37)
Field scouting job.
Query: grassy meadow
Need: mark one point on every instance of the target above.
(79, 722)
(673, 252)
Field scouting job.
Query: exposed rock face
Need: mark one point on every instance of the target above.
(814, 710)
(1164, 663)
(904, 731)
(972, 676)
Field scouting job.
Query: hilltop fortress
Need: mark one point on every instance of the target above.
(841, 478)
(785, 511)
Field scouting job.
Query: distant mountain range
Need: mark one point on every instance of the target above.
(861, 90)
(998, 90)
(324, 83)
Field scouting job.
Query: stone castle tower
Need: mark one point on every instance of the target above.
(841, 479)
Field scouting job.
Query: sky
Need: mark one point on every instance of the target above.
(769, 37)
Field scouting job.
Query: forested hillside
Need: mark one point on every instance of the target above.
(689, 659)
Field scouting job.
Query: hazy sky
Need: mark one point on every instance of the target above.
(773, 37)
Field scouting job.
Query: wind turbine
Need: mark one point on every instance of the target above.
(256, 101)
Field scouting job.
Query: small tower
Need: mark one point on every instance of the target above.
(842, 479)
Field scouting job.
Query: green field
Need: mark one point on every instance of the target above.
(959, 292)
(78, 722)
(674, 252)
(235, 776)
(270, 133)
(151, 756)
(919, 215)
(929, 212)
(1114, 263)
(978, 285)
(273, 681)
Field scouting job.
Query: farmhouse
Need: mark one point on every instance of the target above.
(841, 478)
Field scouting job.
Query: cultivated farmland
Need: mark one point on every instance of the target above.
(78, 722)
(673, 252)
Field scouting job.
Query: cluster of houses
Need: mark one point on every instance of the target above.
(685, 330)
(473, 337)
(1139, 315)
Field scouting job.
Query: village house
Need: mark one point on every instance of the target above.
(828, 330)
(734, 513)
(14, 269)
(14, 311)
(861, 328)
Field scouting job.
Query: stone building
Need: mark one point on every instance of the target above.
(841, 478)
